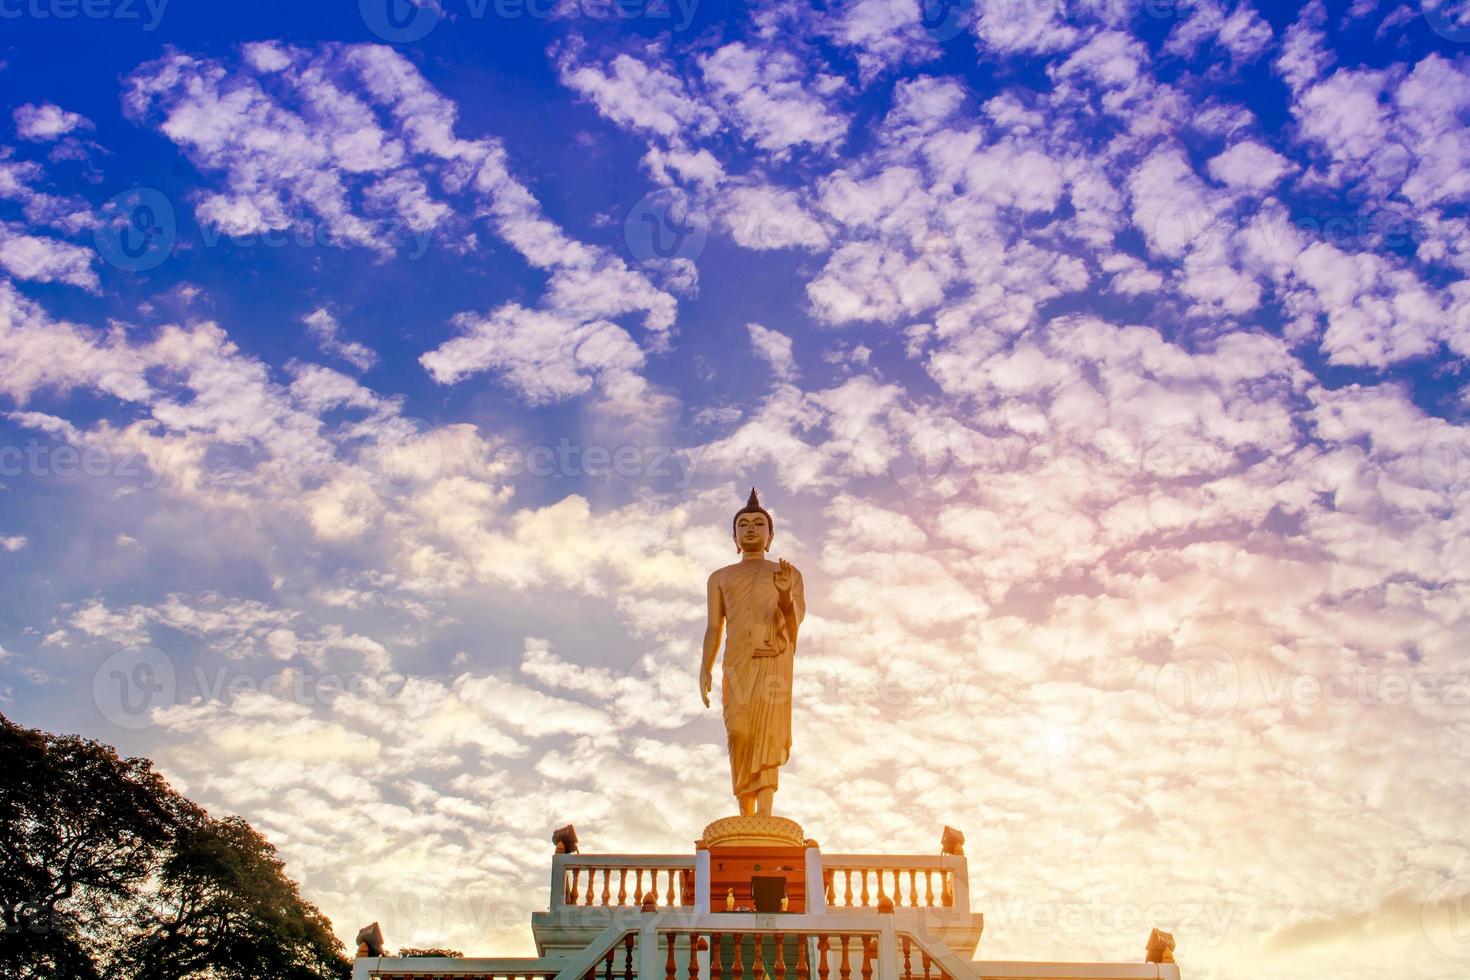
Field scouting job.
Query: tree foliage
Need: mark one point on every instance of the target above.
(106, 871)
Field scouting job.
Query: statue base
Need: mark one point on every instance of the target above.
(757, 864)
(753, 831)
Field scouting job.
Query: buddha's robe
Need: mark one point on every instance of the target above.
(756, 683)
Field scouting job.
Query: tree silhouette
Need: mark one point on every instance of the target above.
(106, 871)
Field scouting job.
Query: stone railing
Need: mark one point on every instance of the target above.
(863, 880)
(919, 963)
(686, 944)
(419, 967)
(607, 880)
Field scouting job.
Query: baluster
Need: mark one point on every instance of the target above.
(863, 873)
(780, 956)
(870, 950)
(946, 881)
(671, 969)
(611, 953)
(849, 887)
(572, 895)
(897, 891)
(823, 970)
(827, 875)
(925, 954)
(844, 968)
(929, 886)
(628, 957)
(606, 885)
(803, 968)
(758, 959)
(737, 968)
(591, 885)
(622, 886)
(637, 886)
(694, 945)
(878, 873)
(591, 973)
(715, 968)
(913, 888)
(670, 902)
(908, 967)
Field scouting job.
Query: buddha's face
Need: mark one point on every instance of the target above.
(752, 533)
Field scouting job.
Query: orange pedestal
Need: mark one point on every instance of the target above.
(733, 868)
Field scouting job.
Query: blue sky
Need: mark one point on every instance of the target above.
(374, 400)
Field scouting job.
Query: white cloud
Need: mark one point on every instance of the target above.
(45, 122)
(638, 95)
(326, 331)
(43, 259)
(768, 218)
(1024, 26)
(1242, 31)
(769, 99)
(542, 356)
(1250, 166)
(774, 348)
(1059, 508)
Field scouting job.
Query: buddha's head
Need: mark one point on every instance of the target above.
(753, 527)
